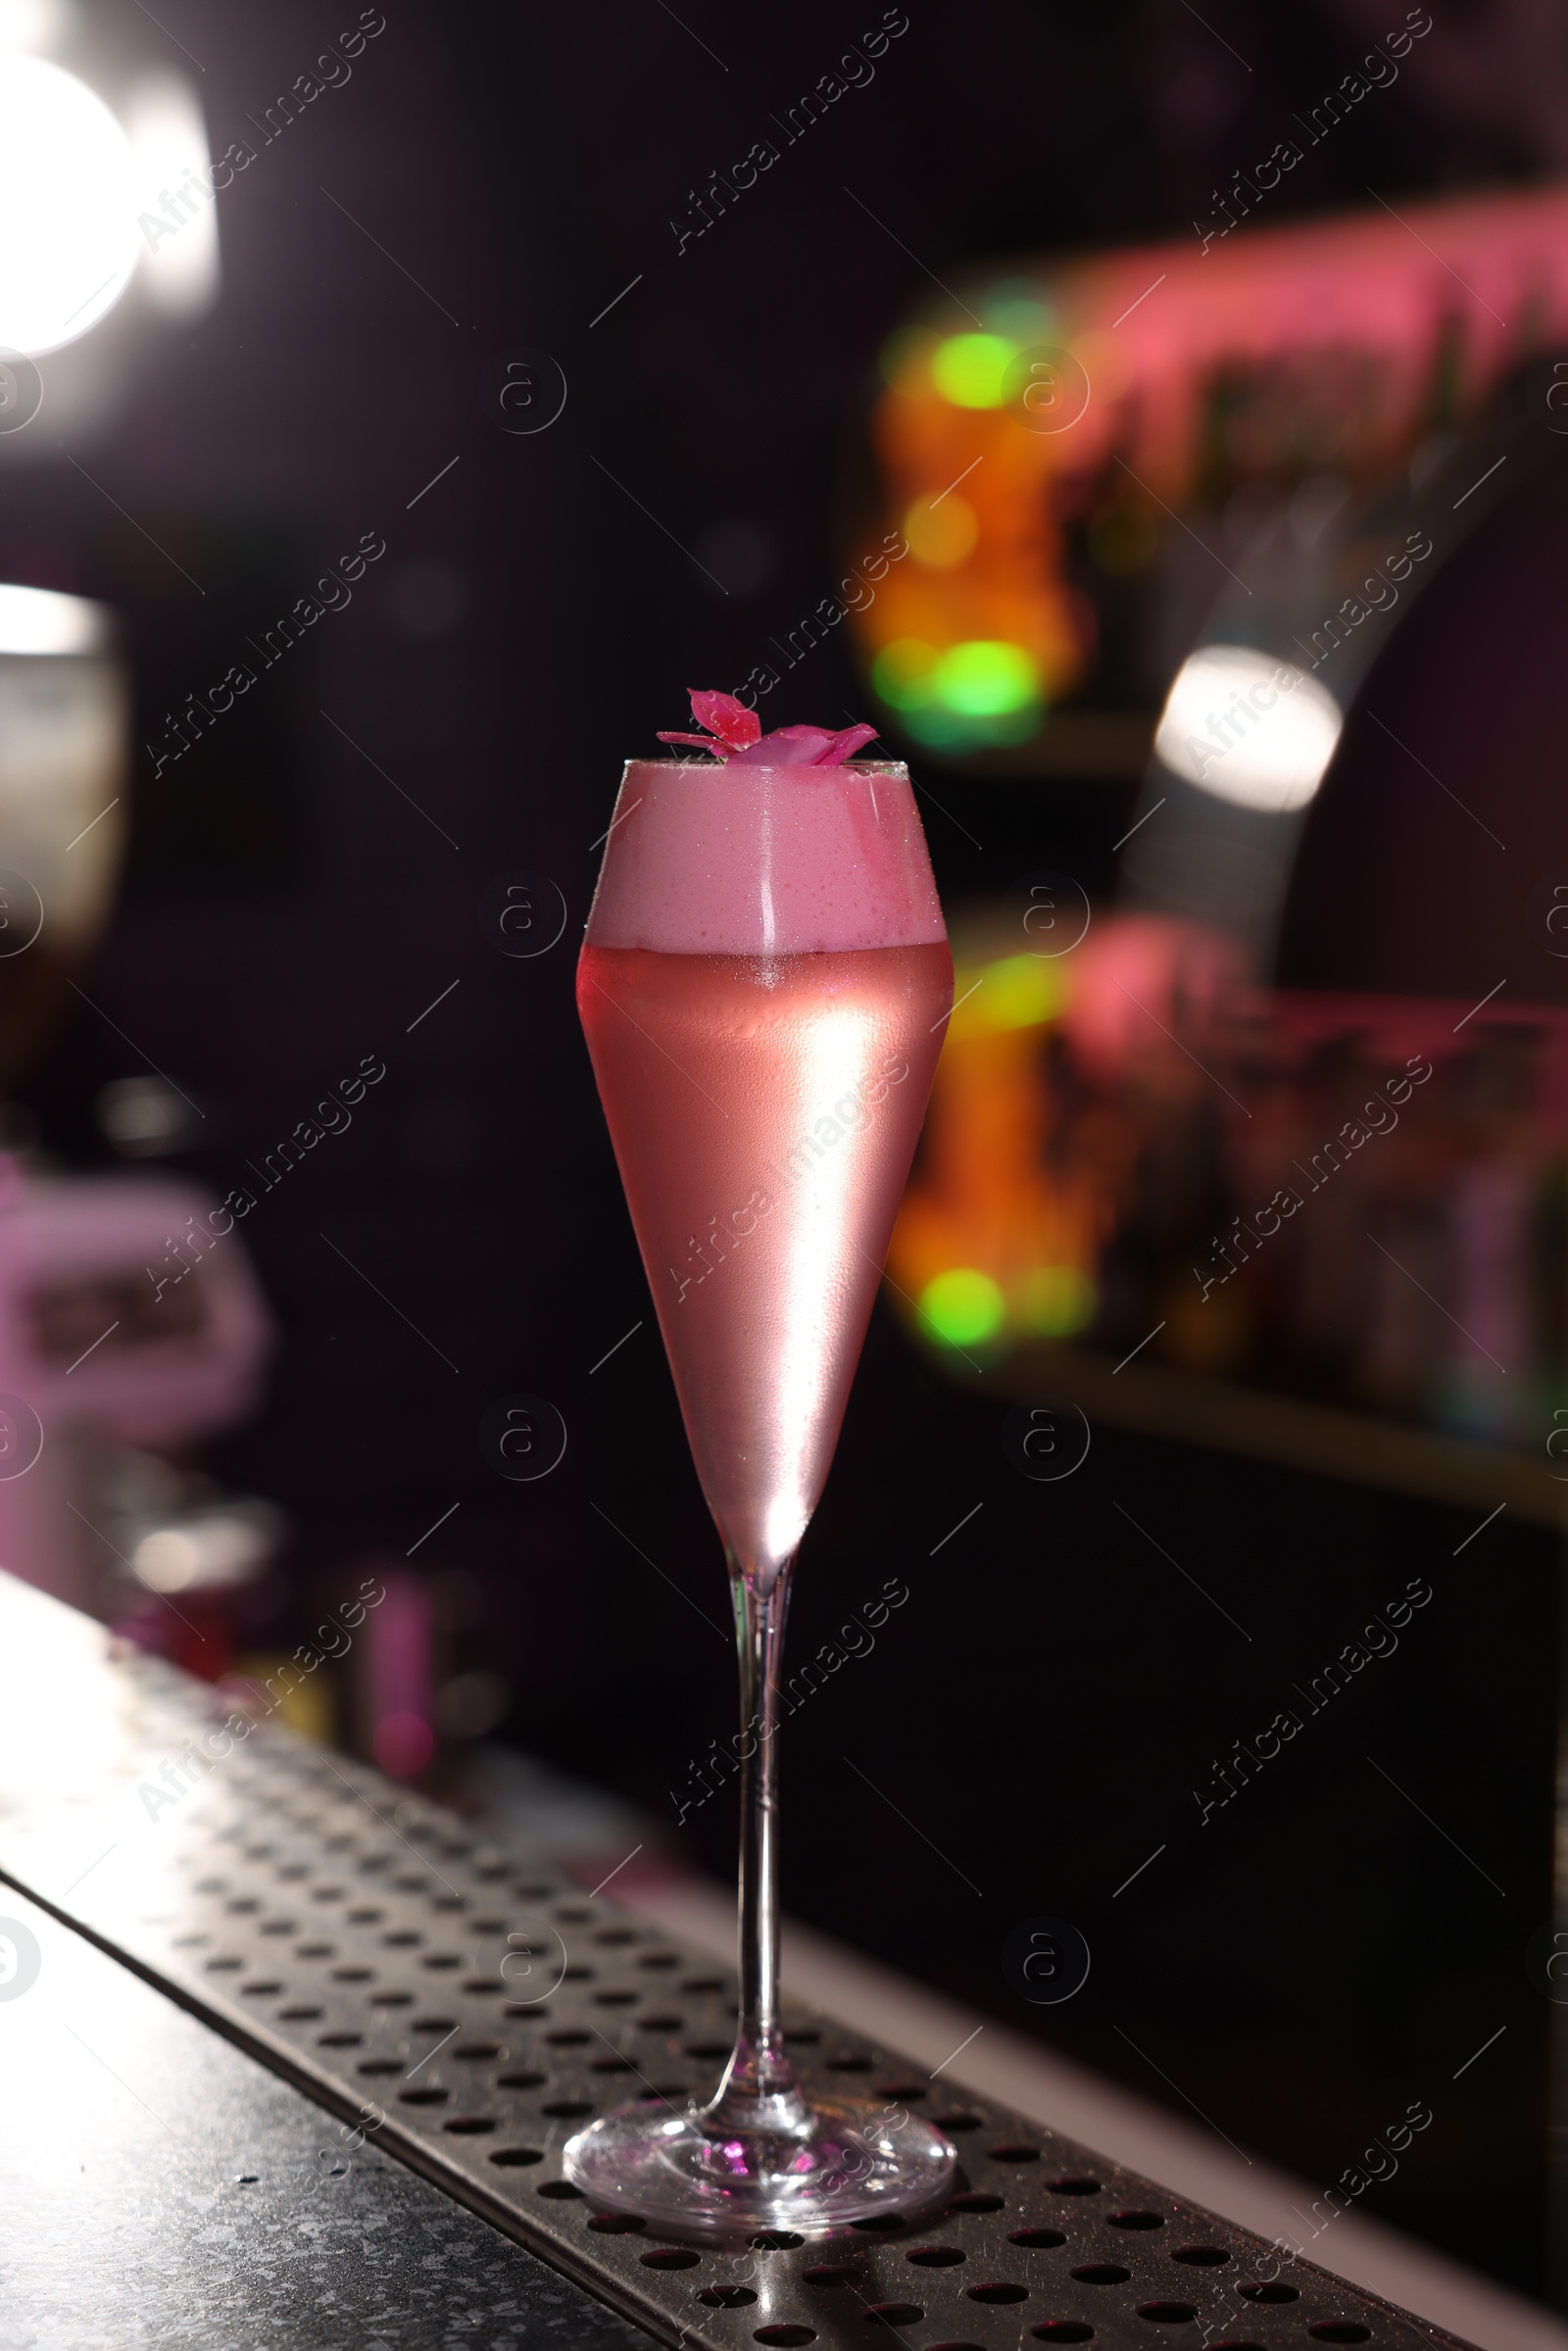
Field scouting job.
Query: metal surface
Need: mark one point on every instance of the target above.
(471, 2011)
(161, 2189)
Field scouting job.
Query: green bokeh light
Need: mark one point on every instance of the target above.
(963, 1305)
(971, 370)
(1058, 1299)
(1016, 307)
(901, 673)
(981, 694)
(986, 677)
(1019, 993)
(938, 729)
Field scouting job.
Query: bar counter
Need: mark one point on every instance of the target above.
(291, 2059)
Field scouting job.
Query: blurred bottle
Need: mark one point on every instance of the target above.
(1484, 1376)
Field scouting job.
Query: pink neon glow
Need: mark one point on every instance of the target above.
(777, 860)
(397, 1673)
(404, 1744)
(1376, 286)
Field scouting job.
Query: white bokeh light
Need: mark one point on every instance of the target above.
(41, 621)
(177, 212)
(68, 220)
(1253, 730)
(210, 1551)
(36, 24)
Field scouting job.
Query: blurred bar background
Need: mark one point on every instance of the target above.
(1053, 388)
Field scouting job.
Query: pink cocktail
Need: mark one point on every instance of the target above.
(764, 987)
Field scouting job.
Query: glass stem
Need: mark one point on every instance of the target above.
(759, 2091)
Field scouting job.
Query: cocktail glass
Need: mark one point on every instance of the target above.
(764, 986)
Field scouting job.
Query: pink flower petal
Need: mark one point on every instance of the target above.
(845, 746)
(736, 738)
(722, 716)
(699, 743)
(785, 746)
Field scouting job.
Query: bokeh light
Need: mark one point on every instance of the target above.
(1055, 1300)
(971, 369)
(983, 691)
(403, 1745)
(68, 217)
(941, 532)
(1013, 306)
(1018, 992)
(963, 1305)
(986, 677)
(1250, 729)
(903, 671)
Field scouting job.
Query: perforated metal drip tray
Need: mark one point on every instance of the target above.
(358, 1941)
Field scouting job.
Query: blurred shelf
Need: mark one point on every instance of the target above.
(1112, 747)
(1230, 1418)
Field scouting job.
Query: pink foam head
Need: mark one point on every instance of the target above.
(748, 859)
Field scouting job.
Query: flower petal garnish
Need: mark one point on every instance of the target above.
(845, 746)
(735, 736)
(699, 743)
(785, 746)
(722, 716)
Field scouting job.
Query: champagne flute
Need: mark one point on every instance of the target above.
(764, 987)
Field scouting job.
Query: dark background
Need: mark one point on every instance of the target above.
(1316, 1956)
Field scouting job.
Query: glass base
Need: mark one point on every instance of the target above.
(691, 2174)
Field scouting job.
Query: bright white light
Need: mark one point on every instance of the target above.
(176, 213)
(165, 1561)
(67, 224)
(38, 620)
(1249, 728)
(34, 23)
(836, 1049)
(210, 1551)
